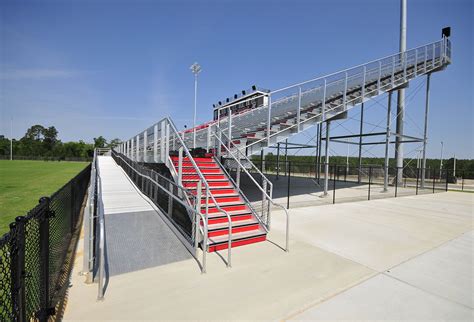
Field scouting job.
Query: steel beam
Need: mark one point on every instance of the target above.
(387, 141)
(425, 130)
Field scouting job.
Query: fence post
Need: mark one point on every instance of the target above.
(462, 181)
(289, 183)
(370, 179)
(18, 272)
(417, 177)
(447, 177)
(396, 182)
(434, 180)
(334, 188)
(73, 185)
(45, 309)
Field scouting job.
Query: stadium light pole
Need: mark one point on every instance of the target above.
(196, 69)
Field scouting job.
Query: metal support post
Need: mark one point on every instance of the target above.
(18, 269)
(198, 210)
(138, 148)
(326, 162)
(425, 131)
(237, 176)
(145, 145)
(334, 185)
(167, 144)
(209, 133)
(344, 99)
(288, 187)
(278, 161)
(155, 143)
(180, 166)
(323, 107)
(286, 157)
(387, 141)
(162, 141)
(370, 181)
(361, 128)
(269, 119)
(298, 112)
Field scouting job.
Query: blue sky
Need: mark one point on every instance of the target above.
(113, 67)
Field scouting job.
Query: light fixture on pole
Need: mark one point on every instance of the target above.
(196, 69)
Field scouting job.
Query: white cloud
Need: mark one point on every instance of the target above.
(38, 74)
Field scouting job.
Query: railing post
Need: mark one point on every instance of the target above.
(393, 71)
(447, 177)
(405, 63)
(434, 55)
(370, 180)
(434, 180)
(323, 107)
(269, 119)
(237, 175)
(416, 62)
(334, 187)
(167, 144)
(17, 252)
(162, 141)
(209, 133)
(180, 167)
(417, 177)
(344, 100)
(462, 181)
(145, 143)
(298, 112)
(426, 59)
(45, 309)
(198, 209)
(380, 76)
(363, 84)
(396, 182)
(155, 143)
(229, 133)
(288, 186)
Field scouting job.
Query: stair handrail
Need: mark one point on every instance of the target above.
(442, 54)
(208, 191)
(101, 231)
(269, 198)
(204, 231)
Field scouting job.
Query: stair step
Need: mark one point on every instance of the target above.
(224, 201)
(207, 176)
(193, 184)
(204, 170)
(236, 217)
(221, 192)
(221, 229)
(239, 239)
(230, 209)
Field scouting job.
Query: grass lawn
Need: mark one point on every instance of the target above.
(22, 183)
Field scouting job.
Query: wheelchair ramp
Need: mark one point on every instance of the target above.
(135, 235)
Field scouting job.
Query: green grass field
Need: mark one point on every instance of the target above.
(22, 183)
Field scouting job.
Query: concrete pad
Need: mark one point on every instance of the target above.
(385, 298)
(264, 283)
(446, 271)
(382, 233)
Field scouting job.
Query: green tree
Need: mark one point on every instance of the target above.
(100, 142)
(114, 143)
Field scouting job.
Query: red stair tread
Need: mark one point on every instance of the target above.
(225, 225)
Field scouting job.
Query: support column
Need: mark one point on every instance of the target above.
(401, 93)
(319, 149)
(361, 129)
(316, 163)
(278, 161)
(425, 131)
(387, 142)
(132, 152)
(286, 157)
(326, 162)
(162, 141)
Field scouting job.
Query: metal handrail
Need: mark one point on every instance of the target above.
(433, 45)
(205, 226)
(208, 192)
(101, 243)
(287, 248)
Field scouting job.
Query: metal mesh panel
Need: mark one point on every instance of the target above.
(6, 302)
(32, 259)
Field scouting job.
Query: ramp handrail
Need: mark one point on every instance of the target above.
(196, 213)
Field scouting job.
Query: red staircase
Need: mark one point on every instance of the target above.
(246, 229)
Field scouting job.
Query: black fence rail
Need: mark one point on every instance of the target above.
(301, 184)
(45, 158)
(35, 254)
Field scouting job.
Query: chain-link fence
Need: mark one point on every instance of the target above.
(298, 184)
(35, 254)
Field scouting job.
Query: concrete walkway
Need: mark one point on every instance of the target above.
(408, 258)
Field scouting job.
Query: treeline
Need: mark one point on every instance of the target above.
(41, 142)
(465, 165)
